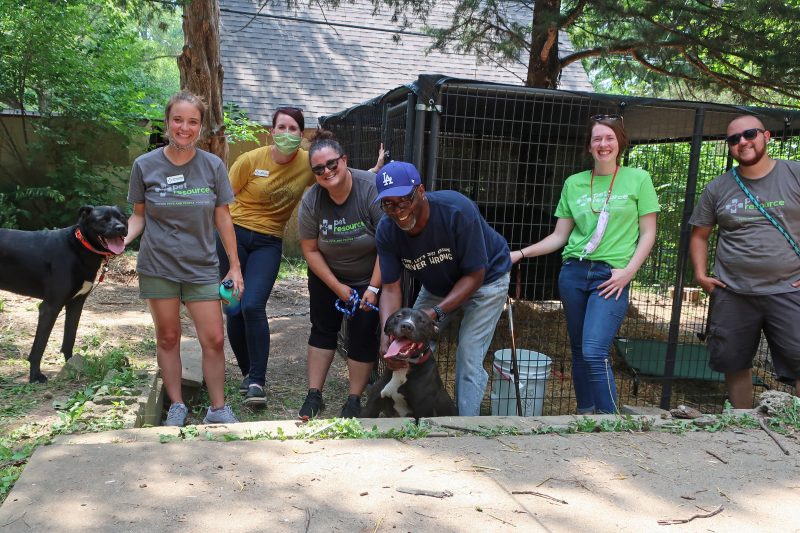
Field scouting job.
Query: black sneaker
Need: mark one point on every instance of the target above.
(256, 396)
(244, 385)
(352, 407)
(313, 404)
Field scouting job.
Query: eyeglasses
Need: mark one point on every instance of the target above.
(404, 202)
(598, 118)
(749, 135)
(330, 164)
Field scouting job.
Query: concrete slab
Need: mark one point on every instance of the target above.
(192, 363)
(585, 482)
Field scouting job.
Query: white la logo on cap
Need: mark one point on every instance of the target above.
(387, 179)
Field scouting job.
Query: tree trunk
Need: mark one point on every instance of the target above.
(544, 67)
(201, 70)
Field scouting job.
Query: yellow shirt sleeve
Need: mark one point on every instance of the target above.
(267, 191)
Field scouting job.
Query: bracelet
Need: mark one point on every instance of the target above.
(521, 253)
(373, 289)
(440, 314)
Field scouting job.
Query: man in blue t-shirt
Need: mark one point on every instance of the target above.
(444, 242)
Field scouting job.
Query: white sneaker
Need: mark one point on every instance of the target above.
(220, 416)
(176, 416)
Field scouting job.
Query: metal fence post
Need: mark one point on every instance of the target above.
(683, 257)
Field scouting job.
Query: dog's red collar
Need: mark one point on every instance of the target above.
(88, 245)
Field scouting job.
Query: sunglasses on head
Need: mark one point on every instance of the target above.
(289, 108)
(598, 118)
(403, 203)
(749, 135)
(330, 164)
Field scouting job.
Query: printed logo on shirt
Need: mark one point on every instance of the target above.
(746, 211)
(599, 198)
(341, 230)
(261, 173)
(428, 258)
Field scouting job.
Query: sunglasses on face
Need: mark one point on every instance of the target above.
(330, 164)
(598, 118)
(749, 135)
(404, 202)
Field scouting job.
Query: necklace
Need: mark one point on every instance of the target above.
(608, 196)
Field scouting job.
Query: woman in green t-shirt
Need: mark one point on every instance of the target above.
(607, 226)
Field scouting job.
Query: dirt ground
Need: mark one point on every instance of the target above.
(115, 316)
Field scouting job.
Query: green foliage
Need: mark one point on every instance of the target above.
(741, 52)
(97, 366)
(13, 460)
(21, 401)
(82, 76)
(238, 127)
(788, 418)
(292, 268)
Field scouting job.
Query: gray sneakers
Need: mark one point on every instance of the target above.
(176, 416)
(220, 416)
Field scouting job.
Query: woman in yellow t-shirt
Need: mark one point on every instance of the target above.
(268, 183)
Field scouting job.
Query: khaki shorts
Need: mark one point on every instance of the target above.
(154, 287)
(735, 324)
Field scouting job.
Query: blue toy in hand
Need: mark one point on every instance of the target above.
(230, 301)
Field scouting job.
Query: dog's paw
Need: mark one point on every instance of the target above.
(38, 377)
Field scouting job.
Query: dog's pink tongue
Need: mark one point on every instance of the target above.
(397, 346)
(115, 245)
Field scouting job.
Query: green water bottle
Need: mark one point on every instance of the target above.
(230, 301)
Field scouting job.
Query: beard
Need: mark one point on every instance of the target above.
(753, 156)
(408, 224)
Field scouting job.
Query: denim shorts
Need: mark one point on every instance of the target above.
(155, 287)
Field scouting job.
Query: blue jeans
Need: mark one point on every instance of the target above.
(592, 323)
(248, 331)
(481, 312)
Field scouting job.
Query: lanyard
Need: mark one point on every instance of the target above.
(769, 217)
(608, 196)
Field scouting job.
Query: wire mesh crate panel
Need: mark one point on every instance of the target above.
(359, 133)
(510, 149)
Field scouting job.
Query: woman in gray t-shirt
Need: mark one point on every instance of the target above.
(180, 195)
(337, 221)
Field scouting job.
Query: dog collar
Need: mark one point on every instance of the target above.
(88, 245)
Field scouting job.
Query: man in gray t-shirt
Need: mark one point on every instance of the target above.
(756, 282)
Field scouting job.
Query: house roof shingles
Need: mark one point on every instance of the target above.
(327, 67)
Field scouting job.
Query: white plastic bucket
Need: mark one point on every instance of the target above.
(534, 369)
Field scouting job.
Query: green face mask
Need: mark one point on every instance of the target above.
(286, 143)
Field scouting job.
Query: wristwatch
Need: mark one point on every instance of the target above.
(440, 315)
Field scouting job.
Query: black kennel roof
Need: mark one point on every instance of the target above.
(646, 119)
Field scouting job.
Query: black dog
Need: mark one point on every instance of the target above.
(416, 390)
(59, 267)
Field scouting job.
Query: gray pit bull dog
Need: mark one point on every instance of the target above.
(60, 267)
(416, 390)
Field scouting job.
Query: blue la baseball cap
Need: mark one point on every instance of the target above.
(397, 178)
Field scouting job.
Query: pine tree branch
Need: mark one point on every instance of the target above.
(637, 55)
(622, 48)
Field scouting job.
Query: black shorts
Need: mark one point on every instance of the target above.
(735, 324)
(363, 340)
